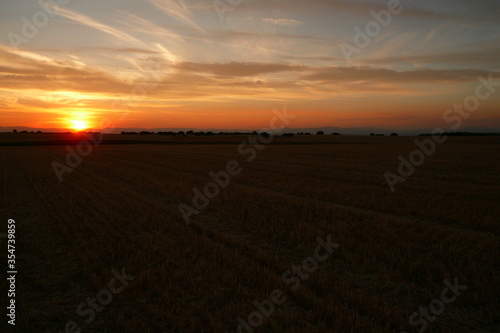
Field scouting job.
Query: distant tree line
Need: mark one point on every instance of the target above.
(209, 133)
(464, 134)
(182, 133)
(40, 132)
(380, 134)
(15, 131)
(263, 134)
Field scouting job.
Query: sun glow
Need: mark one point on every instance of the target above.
(79, 125)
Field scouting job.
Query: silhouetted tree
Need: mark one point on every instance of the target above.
(320, 133)
(394, 134)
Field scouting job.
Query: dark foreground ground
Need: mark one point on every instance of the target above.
(108, 250)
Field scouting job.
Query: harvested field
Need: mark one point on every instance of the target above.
(119, 209)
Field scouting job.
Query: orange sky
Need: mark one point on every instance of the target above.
(179, 64)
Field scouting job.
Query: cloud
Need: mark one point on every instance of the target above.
(238, 68)
(316, 58)
(339, 74)
(283, 22)
(27, 70)
(353, 7)
(176, 9)
(122, 50)
(257, 35)
(85, 20)
(25, 74)
(482, 56)
(147, 27)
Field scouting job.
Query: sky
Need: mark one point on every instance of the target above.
(204, 64)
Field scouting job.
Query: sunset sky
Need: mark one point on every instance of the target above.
(185, 64)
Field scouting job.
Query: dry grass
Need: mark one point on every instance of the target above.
(119, 209)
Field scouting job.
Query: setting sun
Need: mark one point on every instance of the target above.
(79, 125)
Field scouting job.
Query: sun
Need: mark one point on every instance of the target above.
(79, 125)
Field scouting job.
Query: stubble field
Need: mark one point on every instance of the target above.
(118, 210)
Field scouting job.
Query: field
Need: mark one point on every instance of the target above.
(119, 210)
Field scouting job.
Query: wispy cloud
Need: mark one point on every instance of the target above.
(238, 68)
(85, 20)
(177, 10)
(283, 22)
(121, 49)
(478, 57)
(28, 70)
(147, 27)
(353, 74)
